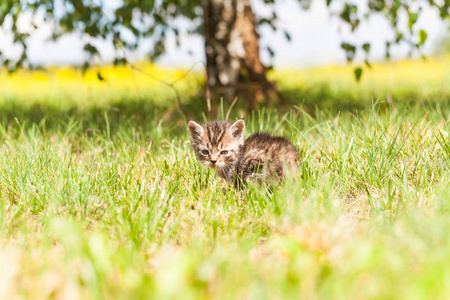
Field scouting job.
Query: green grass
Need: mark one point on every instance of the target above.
(112, 203)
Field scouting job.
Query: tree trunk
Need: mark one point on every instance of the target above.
(233, 62)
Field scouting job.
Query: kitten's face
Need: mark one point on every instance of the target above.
(217, 144)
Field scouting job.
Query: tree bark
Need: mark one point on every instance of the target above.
(233, 61)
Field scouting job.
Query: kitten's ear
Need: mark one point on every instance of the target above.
(195, 129)
(237, 130)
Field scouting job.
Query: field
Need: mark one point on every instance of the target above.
(101, 196)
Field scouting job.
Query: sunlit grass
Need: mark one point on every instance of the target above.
(110, 202)
(434, 73)
(334, 87)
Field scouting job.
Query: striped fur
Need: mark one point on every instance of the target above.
(220, 146)
(265, 158)
(210, 142)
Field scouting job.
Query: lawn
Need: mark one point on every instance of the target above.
(102, 197)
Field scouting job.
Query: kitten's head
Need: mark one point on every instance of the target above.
(217, 144)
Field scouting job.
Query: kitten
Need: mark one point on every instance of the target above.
(220, 146)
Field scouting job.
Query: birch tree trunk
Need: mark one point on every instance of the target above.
(232, 54)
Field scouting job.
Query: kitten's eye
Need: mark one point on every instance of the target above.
(224, 152)
(205, 152)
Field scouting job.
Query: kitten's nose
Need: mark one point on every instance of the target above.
(213, 161)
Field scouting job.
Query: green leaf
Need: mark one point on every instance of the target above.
(349, 51)
(119, 61)
(271, 52)
(4, 7)
(287, 36)
(91, 49)
(398, 36)
(366, 47)
(100, 77)
(412, 20)
(388, 51)
(358, 73)
(422, 37)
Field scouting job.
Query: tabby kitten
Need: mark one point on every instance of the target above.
(220, 146)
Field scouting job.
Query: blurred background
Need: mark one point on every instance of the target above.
(316, 39)
(322, 54)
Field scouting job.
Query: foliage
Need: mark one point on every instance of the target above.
(130, 21)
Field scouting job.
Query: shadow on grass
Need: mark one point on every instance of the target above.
(322, 97)
(144, 114)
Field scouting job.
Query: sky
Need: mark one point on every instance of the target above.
(316, 39)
